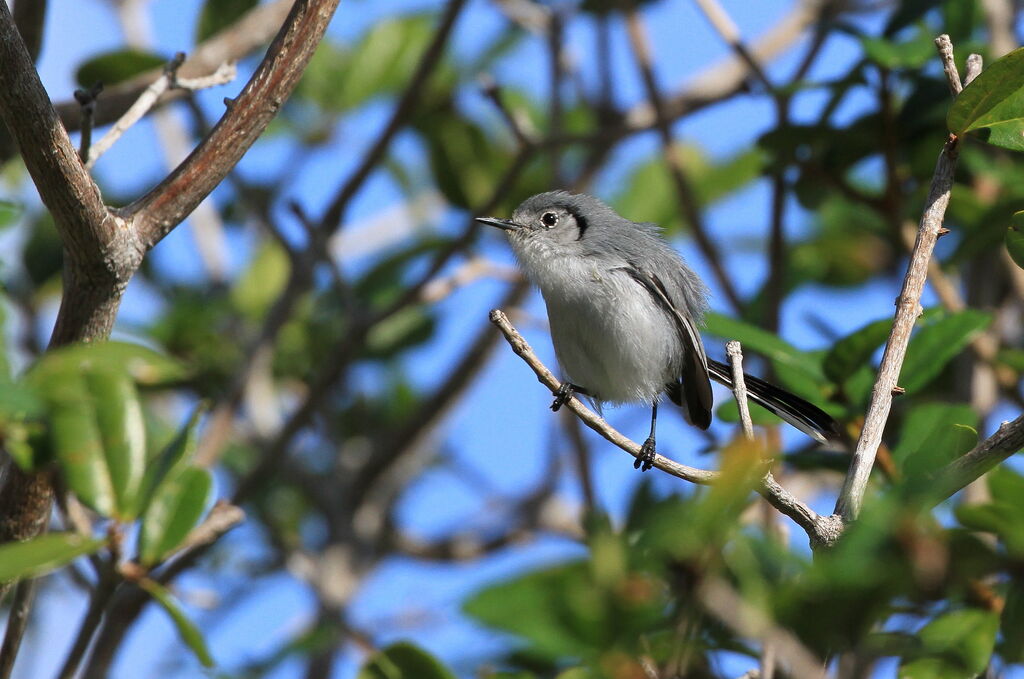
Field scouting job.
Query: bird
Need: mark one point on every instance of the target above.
(625, 313)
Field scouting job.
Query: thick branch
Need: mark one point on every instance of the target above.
(159, 211)
(65, 187)
(907, 310)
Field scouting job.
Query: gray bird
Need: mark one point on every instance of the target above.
(625, 310)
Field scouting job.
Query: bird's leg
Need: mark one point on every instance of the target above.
(565, 392)
(645, 460)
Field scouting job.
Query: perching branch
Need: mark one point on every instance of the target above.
(820, 529)
(907, 310)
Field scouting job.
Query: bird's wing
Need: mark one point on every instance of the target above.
(696, 383)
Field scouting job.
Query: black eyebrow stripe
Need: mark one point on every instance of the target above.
(581, 223)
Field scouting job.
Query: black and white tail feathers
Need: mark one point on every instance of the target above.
(805, 416)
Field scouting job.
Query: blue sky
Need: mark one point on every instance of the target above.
(502, 429)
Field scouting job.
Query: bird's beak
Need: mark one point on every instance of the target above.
(505, 224)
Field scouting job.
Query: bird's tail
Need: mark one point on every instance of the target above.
(805, 416)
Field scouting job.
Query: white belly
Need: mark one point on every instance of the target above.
(613, 340)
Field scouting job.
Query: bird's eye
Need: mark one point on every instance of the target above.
(549, 219)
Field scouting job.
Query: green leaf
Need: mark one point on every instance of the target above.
(262, 282)
(175, 509)
(1015, 239)
(936, 344)
(187, 630)
(380, 63)
(122, 431)
(77, 442)
(852, 352)
(534, 607)
(172, 459)
(111, 68)
(43, 554)
(912, 53)
(934, 434)
(403, 661)
(955, 644)
(219, 14)
(992, 106)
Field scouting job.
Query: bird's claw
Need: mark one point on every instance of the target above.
(563, 394)
(645, 460)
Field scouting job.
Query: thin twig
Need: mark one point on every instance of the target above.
(945, 47)
(590, 418)
(739, 386)
(726, 27)
(820, 529)
(17, 621)
(225, 73)
(87, 100)
(907, 310)
(101, 596)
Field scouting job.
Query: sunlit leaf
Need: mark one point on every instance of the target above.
(176, 507)
(992, 106)
(122, 431)
(187, 630)
(43, 554)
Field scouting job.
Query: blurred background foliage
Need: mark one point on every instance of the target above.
(300, 353)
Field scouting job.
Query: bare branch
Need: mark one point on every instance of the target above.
(225, 73)
(163, 208)
(723, 23)
(945, 47)
(87, 100)
(907, 310)
(739, 386)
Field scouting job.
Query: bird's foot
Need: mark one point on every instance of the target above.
(563, 394)
(645, 460)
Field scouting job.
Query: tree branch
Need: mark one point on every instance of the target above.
(30, 17)
(821, 530)
(956, 475)
(907, 310)
(159, 211)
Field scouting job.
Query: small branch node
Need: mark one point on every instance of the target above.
(945, 47)
(898, 391)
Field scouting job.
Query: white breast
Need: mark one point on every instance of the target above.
(610, 336)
